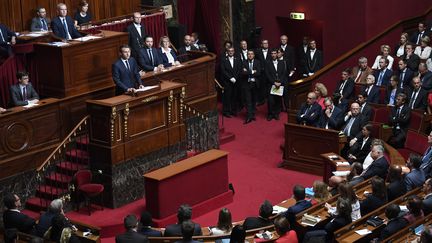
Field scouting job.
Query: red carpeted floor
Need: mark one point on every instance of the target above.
(253, 159)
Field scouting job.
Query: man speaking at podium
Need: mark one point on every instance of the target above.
(125, 72)
(62, 25)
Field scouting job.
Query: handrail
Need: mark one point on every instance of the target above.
(66, 139)
(358, 48)
(219, 85)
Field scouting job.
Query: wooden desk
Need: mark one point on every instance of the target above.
(304, 146)
(28, 135)
(78, 68)
(330, 165)
(347, 234)
(193, 181)
(407, 233)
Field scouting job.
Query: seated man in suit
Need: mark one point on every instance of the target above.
(130, 222)
(184, 213)
(344, 91)
(411, 58)
(187, 46)
(332, 116)
(400, 115)
(353, 122)
(376, 199)
(362, 71)
(396, 184)
(41, 22)
(417, 96)
(63, 25)
(149, 58)
(13, 218)
(365, 108)
(55, 208)
(125, 72)
(379, 165)
(426, 165)
(301, 204)
(7, 38)
(146, 226)
(136, 32)
(23, 92)
(263, 220)
(187, 230)
(372, 91)
(394, 223)
(427, 200)
(405, 75)
(383, 74)
(421, 32)
(360, 146)
(393, 90)
(416, 177)
(425, 76)
(309, 113)
(197, 42)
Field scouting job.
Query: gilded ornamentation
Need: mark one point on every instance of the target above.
(125, 116)
(113, 116)
(148, 99)
(170, 103)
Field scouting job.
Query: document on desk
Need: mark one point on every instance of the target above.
(363, 232)
(87, 38)
(35, 34)
(30, 105)
(278, 209)
(58, 43)
(341, 173)
(276, 91)
(146, 88)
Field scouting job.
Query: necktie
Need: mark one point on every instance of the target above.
(342, 87)
(127, 65)
(427, 156)
(402, 76)
(68, 37)
(251, 66)
(398, 112)
(307, 110)
(44, 25)
(347, 129)
(24, 93)
(358, 76)
(2, 38)
(413, 98)
(380, 78)
(150, 56)
(419, 38)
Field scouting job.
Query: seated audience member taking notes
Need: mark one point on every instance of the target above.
(376, 199)
(149, 58)
(309, 112)
(301, 204)
(23, 92)
(169, 57)
(62, 25)
(394, 223)
(125, 72)
(224, 224)
(137, 33)
(13, 218)
(184, 213)
(82, 16)
(146, 223)
(131, 235)
(265, 211)
(283, 229)
(41, 22)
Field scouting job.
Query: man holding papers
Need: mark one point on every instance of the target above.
(276, 75)
(23, 92)
(125, 72)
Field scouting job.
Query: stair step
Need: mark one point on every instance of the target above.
(32, 214)
(82, 141)
(69, 168)
(37, 204)
(78, 155)
(58, 179)
(50, 191)
(226, 137)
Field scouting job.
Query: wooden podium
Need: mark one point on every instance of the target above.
(304, 146)
(200, 181)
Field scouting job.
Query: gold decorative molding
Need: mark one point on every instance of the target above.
(113, 117)
(125, 117)
(151, 98)
(170, 104)
(182, 96)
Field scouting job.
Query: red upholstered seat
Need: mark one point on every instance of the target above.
(382, 115)
(416, 120)
(91, 189)
(86, 188)
(414, 143)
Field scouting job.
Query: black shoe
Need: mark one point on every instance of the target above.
(226, 115)
(247, 121)
(276, 117)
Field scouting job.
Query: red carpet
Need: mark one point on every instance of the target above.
(252, 162)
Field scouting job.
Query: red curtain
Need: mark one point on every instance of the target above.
(186, 13)
(207, 23)
(7, 77)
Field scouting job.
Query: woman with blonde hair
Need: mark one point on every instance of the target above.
(400, 48)
(168, 55)
(321, 192)
(321, 92)
(385, 53)
(423, 50)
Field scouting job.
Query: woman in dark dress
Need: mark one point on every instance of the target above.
(82, 16)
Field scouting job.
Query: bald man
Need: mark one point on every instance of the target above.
(310, 111)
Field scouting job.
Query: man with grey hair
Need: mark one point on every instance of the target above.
(63, 25)
(379, 165)
(310, 111)
(360, 72)
(55, 208)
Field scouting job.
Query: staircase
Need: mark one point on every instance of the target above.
(55, 175)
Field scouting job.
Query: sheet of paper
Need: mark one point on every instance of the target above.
(59, 43)
(342, 164)
(363, 232)
(30, 105)
(87, 38)
(275, 91)
(278, 209)
(146, 88)
(341, 173)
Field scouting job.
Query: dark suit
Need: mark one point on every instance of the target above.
(131, 236)
(44, 223)
(334, 121)
(335, 224)
(373, 93)
(389, 95)
(427, 204)
(366, 112)
(164, 56)
(231, 90)
(263, 89)
(136, 41)
(395, 189)
(256, 222)
(309, 114)
(18, 220)
(36, 24)
(150, 232)
(393, 226)
(400, 122)
(385, 80)
(274, 101)
(248, 87)
(414, 179)
(124, 78)
(412, 62)
(356, 127)
(405, 78)
(421, 100)
(301, 205)
(378, 167)
(359, 150)
(146, 62)
(5, 48)
(289, 57)
(370, 204)
(426, 80)
(59, 31)
(312, 65)
(182, 50)
(175, 230)
(355, 181)
(346, 89)
(416, 39)
(17, 98)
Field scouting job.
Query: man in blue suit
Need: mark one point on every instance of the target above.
(63, 25)
(416, 177)
(125, 72)
(301, 204)
(309, 113)
(379, 166)
(383, 75)
(332, 116)
(7, 38)
(149, 58)
(372, 91)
